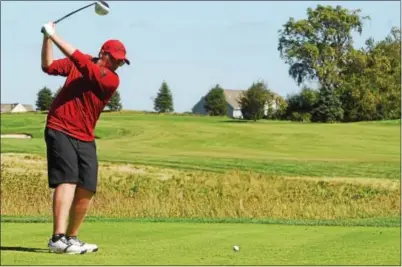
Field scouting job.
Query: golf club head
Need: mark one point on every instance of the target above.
(102, 8)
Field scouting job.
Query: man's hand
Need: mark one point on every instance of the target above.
(48, 29)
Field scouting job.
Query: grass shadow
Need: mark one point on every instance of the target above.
(24, 249)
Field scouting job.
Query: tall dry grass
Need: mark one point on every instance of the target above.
(136, 191)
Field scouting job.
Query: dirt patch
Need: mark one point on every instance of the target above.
(126, 169)
(372, 182)
(16, 136)
(20, 163)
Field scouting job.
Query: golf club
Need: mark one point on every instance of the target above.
(101, 8)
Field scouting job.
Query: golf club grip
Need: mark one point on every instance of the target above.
(75, 11)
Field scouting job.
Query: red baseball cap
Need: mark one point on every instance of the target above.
(116, 49)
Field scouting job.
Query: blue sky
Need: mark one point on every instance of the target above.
(191, 45)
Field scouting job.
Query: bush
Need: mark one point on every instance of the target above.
(253, 101)
(215, 102)
(303, 117)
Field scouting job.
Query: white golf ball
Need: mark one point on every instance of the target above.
(236, 248)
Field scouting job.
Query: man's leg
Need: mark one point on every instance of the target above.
(62, 162)
(88, 177)
(62, 201)
(79, 209)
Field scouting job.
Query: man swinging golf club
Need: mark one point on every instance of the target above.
(69, 132)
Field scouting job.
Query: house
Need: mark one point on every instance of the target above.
(16, 107)
(233, 107)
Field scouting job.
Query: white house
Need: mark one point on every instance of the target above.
(15, 108)
(233, 107)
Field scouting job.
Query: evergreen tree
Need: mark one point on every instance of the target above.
(164, 100)
(329, 107)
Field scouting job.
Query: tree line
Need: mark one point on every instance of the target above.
(163, 102)
(353, 84)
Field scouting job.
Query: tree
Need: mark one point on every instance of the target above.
(115, 102)
(316, 47)
(215, 102)
(372, 83)
(164, 100)
(359, 94)
(328, 108)
(44, 99)
(390, 86)
(254, 100)
(301, 105)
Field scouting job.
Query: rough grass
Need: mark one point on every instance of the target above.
(138, 191)
(370, 150)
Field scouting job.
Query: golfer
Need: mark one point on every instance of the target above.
(69, 133)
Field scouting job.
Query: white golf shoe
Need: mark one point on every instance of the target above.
(87, 247)
(63, 246)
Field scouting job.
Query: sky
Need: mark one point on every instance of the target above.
(190, 45)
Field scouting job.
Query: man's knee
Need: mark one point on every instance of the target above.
(83, 193)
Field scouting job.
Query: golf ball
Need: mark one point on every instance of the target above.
(236, 248)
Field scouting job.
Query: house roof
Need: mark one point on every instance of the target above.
(232, 96)
(9, 107)
(28, 107)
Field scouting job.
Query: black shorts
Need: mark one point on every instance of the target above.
(70, 160)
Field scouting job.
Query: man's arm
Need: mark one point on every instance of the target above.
(60, 67)
(47, 53)
(106, 81)
(87, 68)
(67, 49)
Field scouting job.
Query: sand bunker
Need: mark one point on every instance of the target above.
(17, 136)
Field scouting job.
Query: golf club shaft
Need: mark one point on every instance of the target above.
(69, 14)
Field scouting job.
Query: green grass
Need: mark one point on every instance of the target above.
(219, 144)
(187, 143)
(370, 222)
(144, 243)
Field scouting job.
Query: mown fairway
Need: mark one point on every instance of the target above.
(129, 243)
(218, 144)
(327, 194)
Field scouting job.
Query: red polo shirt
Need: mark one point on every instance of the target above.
(86, 92)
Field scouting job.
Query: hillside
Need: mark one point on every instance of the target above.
(219, 144)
